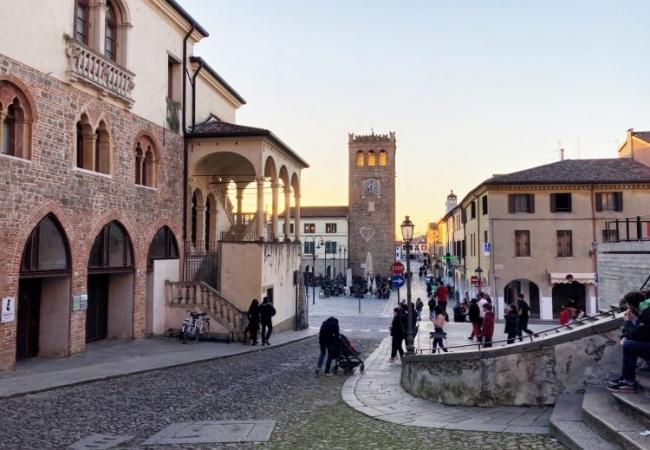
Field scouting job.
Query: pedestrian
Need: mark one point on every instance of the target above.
(466, 297)
(253, 315)
(432, 306)
(266, 312)
(488, 326)
(475, 317)
(524, 312)
(397, 333)
(442, 294)
(328, 339)
(512, 329)
(438, 331)
(418, 307)
(565, 315)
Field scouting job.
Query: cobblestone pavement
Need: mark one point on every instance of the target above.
(277, 384)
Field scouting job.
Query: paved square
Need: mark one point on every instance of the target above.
(100, 441)
(214, 431)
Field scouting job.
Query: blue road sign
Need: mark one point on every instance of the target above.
(397, 281)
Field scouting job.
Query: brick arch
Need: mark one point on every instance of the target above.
(155, 228)
(38, 215)
(101, 222)
(24, 90)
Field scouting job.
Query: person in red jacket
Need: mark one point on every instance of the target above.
(442, 293)
(565, 315)
(488, 326)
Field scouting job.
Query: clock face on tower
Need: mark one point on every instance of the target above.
(371, 187)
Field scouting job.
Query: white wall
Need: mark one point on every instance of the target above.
(163, 269)
(209, 101)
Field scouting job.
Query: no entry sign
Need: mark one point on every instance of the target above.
(397, 268)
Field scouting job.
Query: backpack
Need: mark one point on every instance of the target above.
(644, 304)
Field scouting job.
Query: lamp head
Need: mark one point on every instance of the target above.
(407, 229)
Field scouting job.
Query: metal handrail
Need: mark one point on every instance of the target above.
(628, 229)
(612, 312)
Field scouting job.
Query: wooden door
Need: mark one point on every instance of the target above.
(97, 312)
(29, 316)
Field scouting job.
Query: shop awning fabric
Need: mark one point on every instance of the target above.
(584, 278)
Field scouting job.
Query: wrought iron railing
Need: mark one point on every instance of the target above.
(202, 266)
(628, 229)
(529, 338)
(93, 68)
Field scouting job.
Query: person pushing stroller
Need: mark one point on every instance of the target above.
(328, 339)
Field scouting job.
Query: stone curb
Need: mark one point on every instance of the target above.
(18, 392)
(388, 401)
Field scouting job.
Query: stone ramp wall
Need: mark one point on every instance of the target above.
(522, 374)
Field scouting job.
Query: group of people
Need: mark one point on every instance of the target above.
(570, 312)
(260, 314)
(399, 329)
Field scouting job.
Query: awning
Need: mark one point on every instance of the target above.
(584, 278)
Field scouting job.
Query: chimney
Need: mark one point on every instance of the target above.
(561, 154)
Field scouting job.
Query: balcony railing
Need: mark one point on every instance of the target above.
(90, 67)
(628, 229)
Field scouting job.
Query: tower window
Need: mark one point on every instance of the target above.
(360, 159)
(372, 158)
(383, 158)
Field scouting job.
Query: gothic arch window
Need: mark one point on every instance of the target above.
(15, 121)
(46, 250)
(112, 249)
(146, 162)
(102, 149)
(372, 158)
(383, 158)
(163, 246)
(113, 15)
(360, 159)
(85, 144)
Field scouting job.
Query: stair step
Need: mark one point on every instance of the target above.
(567, 426)
(637, 404)
(603, 413)
(643, 378)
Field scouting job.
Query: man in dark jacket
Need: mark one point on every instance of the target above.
(328, 339)
(635, 345)
(266, 312)
(397, 332)
(474, 314)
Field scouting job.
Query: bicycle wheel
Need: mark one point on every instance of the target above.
(196, 332)
(205, 332)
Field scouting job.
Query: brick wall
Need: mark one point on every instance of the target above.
(622, 267)
(82, 201)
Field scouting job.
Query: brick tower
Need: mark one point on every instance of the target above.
(371, 196)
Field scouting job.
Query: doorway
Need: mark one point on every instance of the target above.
(29, 318)
(97, 312)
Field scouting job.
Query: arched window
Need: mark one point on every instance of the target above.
(139, 160)
(82, 21)
(383, 158)
(146, 162)
(85, 144)
(102, 149)
(110, 41)
(46, 250)
(163, 246)
(15, 121)
(372, 159)
(112, 249)
(360, 159)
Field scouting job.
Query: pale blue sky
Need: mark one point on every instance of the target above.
(471, 88)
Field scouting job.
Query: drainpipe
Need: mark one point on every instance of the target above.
(184, 125)
(594, 257)
(196, 74)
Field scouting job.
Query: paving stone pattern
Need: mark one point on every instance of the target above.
(276, 384)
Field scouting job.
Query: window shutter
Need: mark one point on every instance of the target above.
(511, 203)
(531, 203)
(553, 203)
(619, 201)
(599, 201)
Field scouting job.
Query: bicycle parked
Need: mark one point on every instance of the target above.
(197, 325)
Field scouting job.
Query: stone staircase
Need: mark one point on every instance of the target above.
(603, 420)
(199, 296)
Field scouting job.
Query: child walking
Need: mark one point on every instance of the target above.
(438, 330)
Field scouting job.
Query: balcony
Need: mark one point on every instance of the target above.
(89, 67)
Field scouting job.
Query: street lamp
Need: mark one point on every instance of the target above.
(340, 261)
(327, 246)
(479, 275)
(313, 265)
(407, 235)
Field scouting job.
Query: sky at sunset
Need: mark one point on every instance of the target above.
(471, 88)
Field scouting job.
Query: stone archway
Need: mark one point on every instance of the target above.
(562, 293)
(528, 289)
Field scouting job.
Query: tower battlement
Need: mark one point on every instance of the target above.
(390, 137)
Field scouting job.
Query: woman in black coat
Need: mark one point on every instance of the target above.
(475, 317)
(397, 332)
(512, 327)
(253, 320)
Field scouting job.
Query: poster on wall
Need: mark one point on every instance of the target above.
(8, 309)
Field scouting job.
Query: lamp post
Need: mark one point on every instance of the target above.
(325, 267)
(407, 235)
(340, 262)
(345, 260)
(479, 274)
(313, 265)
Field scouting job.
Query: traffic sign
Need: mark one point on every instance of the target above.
(397, 268)
(397, 281)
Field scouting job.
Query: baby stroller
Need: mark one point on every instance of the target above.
(348, 357)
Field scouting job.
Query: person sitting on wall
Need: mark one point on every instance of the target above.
(635, 342)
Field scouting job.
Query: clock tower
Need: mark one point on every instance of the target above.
(371, 197)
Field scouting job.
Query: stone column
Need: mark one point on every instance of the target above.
(275, 186)
(296, 215)
(97, 15)
(287, 212)
(2, 119)
(261, 226)
(200, 228)
(240, 197)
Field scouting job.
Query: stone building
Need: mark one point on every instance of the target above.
(525, 232)
(101, 137)
(371, 199)
(324, 239)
